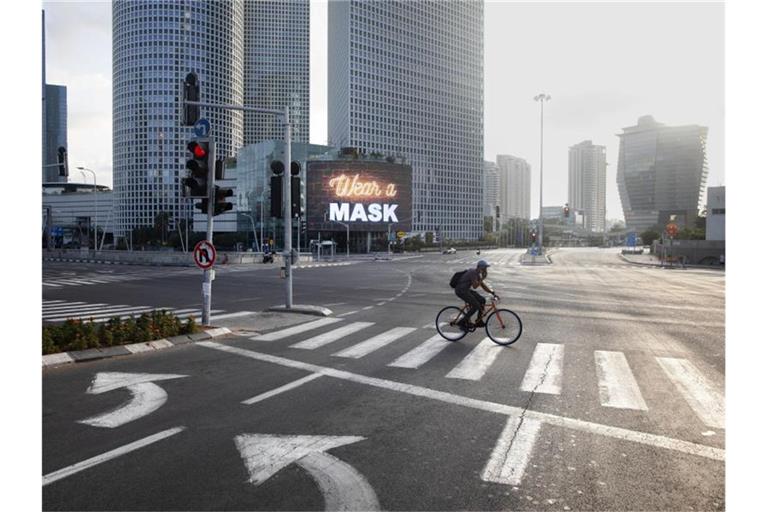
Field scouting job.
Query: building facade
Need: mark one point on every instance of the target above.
(514, 187)
(54, 130)
(154, 46)
(662, 171)
(715, 213)
(71, 210)
(586, 184)
(491, 184)
(276, 68)
(406, 78)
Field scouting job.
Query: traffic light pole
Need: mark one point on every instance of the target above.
(286, 197)
(288, 225)
(208, 274)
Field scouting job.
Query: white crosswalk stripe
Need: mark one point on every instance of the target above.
(421, 354)
(707, 402)
(284, 333)
(329, 337)
(474, 366)
(366, 347)
(544, 373)
(617, 385)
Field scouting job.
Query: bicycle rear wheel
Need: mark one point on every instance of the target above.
(503, 326)
(447, 323)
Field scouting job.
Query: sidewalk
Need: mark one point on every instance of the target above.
(650, 260)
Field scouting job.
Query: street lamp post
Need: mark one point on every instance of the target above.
(541, 98)
(95, 207)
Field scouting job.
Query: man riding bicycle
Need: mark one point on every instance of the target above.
(473, 278)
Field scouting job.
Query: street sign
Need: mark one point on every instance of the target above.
(202, 128)
(631, 239)
(204, 254)
(401, 234)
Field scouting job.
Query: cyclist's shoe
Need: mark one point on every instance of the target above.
(479, 323)
(463, 325)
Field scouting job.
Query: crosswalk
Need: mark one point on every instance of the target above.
(614, 381)
(60, 310)
(65, 279)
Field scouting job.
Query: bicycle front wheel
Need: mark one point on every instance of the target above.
(503, 326)
(447, 323)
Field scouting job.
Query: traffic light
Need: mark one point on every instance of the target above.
(63, 164)
(276, 188)
(191, 113)
(197, 181)
(566, 211)
(295, 189)
(497, 211)
(220, 205)
(533, 236)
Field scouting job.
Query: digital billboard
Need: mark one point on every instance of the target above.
(368, 196)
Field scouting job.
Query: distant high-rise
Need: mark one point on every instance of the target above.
(276, 68)
(514, 187)
(405, 78)
(491, 181)
(54, 124)
(662, 171)
(586, 184)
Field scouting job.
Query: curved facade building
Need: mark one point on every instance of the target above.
(154, 46)
(662, 172)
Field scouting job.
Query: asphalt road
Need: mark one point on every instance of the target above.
(612, 399)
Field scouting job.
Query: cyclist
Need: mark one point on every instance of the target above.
(473, 278)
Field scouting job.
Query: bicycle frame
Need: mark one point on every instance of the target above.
(488, 310)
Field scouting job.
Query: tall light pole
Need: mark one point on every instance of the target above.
(541, 98)
(95, 207)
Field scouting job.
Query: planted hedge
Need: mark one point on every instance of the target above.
(81, 335)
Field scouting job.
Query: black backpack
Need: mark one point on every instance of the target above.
(455, 279)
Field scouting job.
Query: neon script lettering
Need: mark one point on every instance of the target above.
(344, 186)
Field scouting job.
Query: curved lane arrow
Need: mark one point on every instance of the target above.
(342, 486)
(147, 397)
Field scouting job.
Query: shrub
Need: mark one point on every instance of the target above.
(79, 335)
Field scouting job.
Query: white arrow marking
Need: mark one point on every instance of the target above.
(343, 488)
(147, 397)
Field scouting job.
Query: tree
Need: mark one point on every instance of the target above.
(488, 224)
(649, 235)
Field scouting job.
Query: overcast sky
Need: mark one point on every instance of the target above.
(604, 64)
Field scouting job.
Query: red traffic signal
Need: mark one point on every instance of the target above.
(196, 149)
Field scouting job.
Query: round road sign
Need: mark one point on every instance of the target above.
(400, 234)
(204, 254)
(672, 229)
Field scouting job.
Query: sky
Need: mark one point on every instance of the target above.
(603, 64)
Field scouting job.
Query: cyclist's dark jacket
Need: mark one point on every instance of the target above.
(465, 283)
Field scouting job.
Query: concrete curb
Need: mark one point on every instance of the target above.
(93, 354)
(302, 309)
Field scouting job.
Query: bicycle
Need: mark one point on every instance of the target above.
(502, 326)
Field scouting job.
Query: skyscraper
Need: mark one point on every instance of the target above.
(154, 46)
(55, 130)
(491, 182)
(514, 187)
(586, 184)
(54, 123)
(406, 78)
(661, 172)
(276, 67)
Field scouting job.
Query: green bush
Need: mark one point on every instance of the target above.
(80, 335)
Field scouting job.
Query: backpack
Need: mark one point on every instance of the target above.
(455, 279)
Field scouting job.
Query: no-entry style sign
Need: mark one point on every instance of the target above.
(204, 254)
